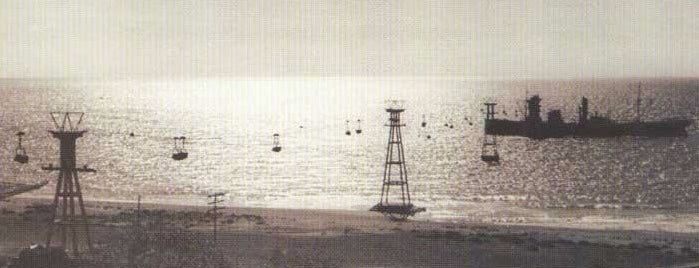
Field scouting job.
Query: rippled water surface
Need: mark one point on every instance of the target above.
(229, 126)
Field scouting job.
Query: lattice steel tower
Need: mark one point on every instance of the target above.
(395, 171)
(63, 216)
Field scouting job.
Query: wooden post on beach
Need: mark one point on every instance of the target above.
(215, 196)
(138, 212)
(136, 231)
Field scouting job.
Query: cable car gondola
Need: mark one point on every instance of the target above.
(495, 158)
(347, 131)
(489, 151)
(180, 152)
(359, 126)
(20, 152)
(276, 146)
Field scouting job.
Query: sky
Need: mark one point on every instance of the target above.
(329, 38)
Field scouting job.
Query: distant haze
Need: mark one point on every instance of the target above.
(468, 39)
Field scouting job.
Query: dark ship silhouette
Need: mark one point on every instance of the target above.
(596, 126)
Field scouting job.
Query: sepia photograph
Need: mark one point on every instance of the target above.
(349, 133)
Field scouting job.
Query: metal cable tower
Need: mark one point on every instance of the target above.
(68, 185)
(395, 171)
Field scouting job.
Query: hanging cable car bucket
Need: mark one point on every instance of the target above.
(180, 151)
(20, 152)
(21, 155)
(276, 146)
(21, 158)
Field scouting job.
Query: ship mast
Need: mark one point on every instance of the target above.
(638, 103)
(526, 107)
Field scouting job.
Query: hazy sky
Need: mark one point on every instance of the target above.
(469, 39)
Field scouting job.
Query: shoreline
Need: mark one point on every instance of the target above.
(684, 221)
(286, 230)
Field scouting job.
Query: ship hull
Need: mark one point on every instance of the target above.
(544, 130)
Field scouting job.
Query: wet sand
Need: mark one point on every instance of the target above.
(181, 236)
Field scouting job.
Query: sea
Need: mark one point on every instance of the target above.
(228, 124)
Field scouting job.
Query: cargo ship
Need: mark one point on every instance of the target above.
(595, 125)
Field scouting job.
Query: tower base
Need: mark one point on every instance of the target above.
(397, 209)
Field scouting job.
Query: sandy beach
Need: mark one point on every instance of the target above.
(508, 133)
(181, 236)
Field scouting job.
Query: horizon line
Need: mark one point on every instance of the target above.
(340, 77)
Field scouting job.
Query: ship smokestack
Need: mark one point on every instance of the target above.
(583, 113)
(534, 109)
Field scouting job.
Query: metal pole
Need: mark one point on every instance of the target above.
(215, 219)
(215, 196)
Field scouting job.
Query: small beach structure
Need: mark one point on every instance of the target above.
(424, 121)
(276, 145)
(180, 152)
(396, 205)
(347, 129)
(359, 126)
(20, 153)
